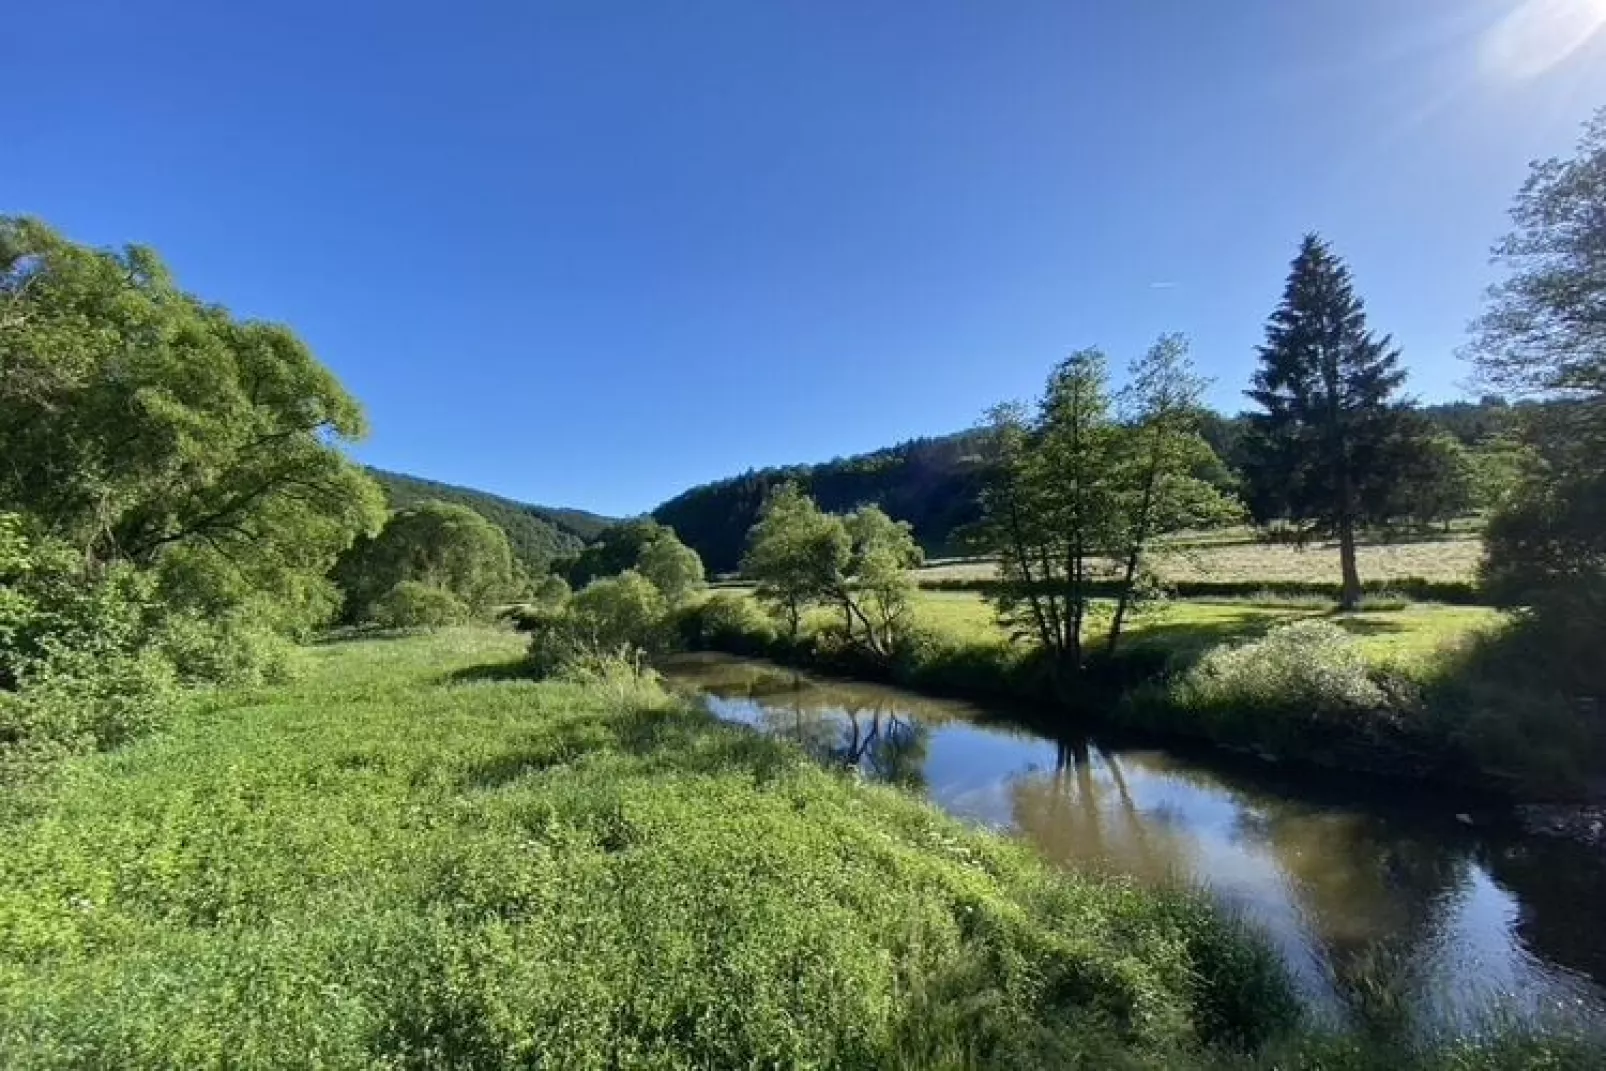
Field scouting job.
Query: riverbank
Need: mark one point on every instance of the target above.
(1411, 693)
(415, 856)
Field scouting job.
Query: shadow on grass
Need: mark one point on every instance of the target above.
(510, 669)
(1356, 626)
(1182, 643)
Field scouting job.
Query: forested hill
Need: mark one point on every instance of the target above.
(931, 483)
(538, 533)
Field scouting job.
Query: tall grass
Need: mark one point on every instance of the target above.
(411, 857)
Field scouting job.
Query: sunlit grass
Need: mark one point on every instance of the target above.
(1448, 560)
(413, 857)
(1406, 638)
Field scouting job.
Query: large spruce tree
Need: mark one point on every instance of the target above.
(1325, 451)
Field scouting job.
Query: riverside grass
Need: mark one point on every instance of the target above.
(1228, 674)
(411, 857)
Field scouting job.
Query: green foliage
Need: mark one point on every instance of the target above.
(239, 648)
(552, 591)
(930, 483)
(617, 617)
(671, 566)
(858, 565)
(1438, 481)
(376, 868)
(1328, 446)
(1543, 335)
(438, 545)
(537, 534)
(78, 665)
(1300, 680)
(793, 554)
(137, 421)
(414, 604)
(1075, 486)
(726, 621)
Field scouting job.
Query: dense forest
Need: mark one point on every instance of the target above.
(930, 483)
(538, 534)
(934, 484)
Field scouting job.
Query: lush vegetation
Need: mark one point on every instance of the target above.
(432, 564)
(932, 484)
(415, 858)
(172, 497)
(404, 861)
(537, 534)
(1077, 485)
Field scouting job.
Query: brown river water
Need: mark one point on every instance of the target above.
(1375, 895)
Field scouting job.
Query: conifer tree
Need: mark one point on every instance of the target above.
(1328, 446)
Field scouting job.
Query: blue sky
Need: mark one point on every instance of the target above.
(592, 253)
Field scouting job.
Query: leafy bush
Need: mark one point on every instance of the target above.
(726, 622)
(236, 649)
(618, 616)
(78, 667)
(1299, 678)
(414, 604)
(447, 548)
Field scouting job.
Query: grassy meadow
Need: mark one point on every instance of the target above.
(1237, 558)
(414, 857)
(1411, 636)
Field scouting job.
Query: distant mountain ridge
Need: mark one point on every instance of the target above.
(932, 483)
(538, 533)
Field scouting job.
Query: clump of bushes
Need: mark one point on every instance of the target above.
(726, 621)
(1299, 678)
(622, 618)
(415, 604)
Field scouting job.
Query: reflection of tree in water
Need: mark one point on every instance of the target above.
(1085, 817)
(869, 736)
(1561, 887)
(1375, 899)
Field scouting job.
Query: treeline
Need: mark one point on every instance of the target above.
(932, 484)
(538, 534)
(935, 484)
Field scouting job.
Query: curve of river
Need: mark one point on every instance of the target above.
(1376, 897)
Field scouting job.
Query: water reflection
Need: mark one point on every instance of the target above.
(1385, 909)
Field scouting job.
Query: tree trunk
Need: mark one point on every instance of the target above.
(1122, 599)
(1350, 599)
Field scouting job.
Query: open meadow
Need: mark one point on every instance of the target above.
(1449, 560)
(415, 857)
(1406, 638)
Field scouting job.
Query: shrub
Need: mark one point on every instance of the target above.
(1300, 678)
(617, 616)
(238, 649)
(412, 604)
(726, 622)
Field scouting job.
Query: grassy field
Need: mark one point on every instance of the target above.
(1407, 638)
(413, 858)
(1448, 560)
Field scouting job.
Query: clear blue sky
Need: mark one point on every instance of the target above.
(591, 253)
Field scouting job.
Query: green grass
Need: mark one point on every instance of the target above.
(1453, 559)
(413, 858)
(1410, 639)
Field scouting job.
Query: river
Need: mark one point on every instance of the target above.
(1377, 897)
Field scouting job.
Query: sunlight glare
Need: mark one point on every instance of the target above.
(1537, 35)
